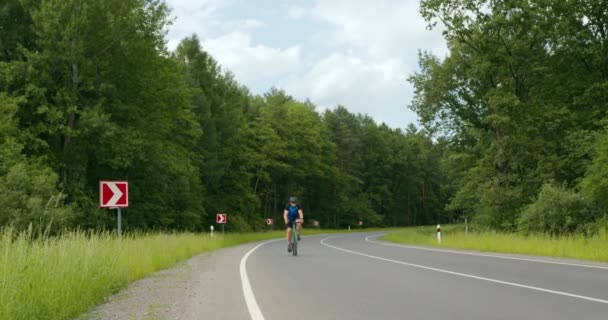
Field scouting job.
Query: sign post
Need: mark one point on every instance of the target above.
(114, 195)
(221, 218)
(119, 222)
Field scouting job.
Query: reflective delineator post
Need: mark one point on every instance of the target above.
(211, 229)
(439, 233)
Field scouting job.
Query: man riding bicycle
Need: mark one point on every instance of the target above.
(293, 213)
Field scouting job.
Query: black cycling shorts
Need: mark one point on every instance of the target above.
(289, 223)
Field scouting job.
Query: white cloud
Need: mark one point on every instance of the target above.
(200, 8)
(296, 12)
(252, 24)
(375, 88)
(229, 40)
(383, 28)
(374, 49)
(339, 73)
(200, 17)
(357, 53)
(249, 62)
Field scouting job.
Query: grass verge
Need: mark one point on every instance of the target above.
(576, 247)
(63, 277)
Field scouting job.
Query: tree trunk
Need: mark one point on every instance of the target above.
(75, 83)
(257, 181)
(274, 193)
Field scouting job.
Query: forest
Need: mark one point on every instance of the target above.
(512, 129)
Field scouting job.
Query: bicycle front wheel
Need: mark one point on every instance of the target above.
(294, 239)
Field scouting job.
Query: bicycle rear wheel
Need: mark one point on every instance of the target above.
(294, 249)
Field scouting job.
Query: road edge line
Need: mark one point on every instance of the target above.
(497, 256)
(513, 284)
(252, 305)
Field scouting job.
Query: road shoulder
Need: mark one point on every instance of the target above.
(206, 286)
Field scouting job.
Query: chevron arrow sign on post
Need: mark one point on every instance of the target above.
(221, 218)
(113, 194)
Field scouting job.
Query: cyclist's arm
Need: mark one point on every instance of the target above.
(285, 215)
(301, 213)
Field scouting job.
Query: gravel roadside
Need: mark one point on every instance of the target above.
(205, 287)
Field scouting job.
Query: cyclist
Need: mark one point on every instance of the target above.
(293, 213)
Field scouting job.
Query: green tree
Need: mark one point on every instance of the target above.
(513, 97)
(16, 34)
(224, 158)
(102, 101)
(595, 184)
(28, 188)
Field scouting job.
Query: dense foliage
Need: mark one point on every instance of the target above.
(523, 98)
(89, 91)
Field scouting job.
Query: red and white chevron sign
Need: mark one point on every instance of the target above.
(113, 194)
(221, 218)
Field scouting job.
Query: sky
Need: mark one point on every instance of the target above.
(355, 53)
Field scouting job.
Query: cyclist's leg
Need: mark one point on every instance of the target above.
(288, 233)
(299, 228)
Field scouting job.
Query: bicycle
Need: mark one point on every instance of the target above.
(294, 239)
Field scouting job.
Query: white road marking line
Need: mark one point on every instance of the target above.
(486, 255)
(252, 304)
(468, 275)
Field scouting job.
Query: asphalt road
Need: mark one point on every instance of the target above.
(355, 276)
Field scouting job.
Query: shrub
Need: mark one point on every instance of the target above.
(557, 210)
(595, 184)
(238, 223)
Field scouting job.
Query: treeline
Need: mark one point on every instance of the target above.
(89, 92)
(522, 98)
(515, 125)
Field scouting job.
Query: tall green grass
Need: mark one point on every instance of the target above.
(62, 277)
(576, 247)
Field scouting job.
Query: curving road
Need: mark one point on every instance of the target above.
(355, 276)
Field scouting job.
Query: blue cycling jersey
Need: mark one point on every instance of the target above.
(292, 212)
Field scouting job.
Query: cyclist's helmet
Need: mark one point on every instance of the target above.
(293, 199)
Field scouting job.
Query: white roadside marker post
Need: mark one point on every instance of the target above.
(439, 233)
(211, 228)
